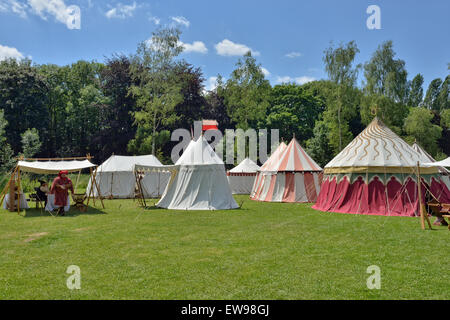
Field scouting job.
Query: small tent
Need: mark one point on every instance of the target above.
(242, 177)
(425, 157)
(198, 181)
(290, 175)
(116, 177)
(376, 174)
(44, 166)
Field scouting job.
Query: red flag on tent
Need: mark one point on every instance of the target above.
(210, 125)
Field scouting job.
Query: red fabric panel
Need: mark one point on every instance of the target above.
(321, 199)
(271, 187)
(289, 188)
(375, 198)
(440, 191)
(310, 187)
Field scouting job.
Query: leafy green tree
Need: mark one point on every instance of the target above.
(23, 97)
(116, 119)
(247, 93)
(6, 153)
(293, 109)
(431, 100)
(445, 118)
(340, 69)
(386, 75)
(443, 99)
(157, 91)
(419, 125)
(392, 113)
(318, 147)
(31, 144)
(416, 91)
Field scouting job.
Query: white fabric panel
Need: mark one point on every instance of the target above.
(54, 166)
(316, 182)
(278, 189)
(300, 190)
(127, 163)
(266, 179)
(198, 187)
(443, 163)
(446, 180)
(154, 184)
(114, 184)
(23, 202)
(51, 203)
(241, 184)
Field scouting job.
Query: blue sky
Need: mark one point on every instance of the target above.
(288, 37)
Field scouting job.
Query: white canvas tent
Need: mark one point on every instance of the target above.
(242, 177)
(198, 181)
(116, 177)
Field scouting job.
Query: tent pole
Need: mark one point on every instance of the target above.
(92, 185)
(7, 186)
(78, 179)
(423, 215)
(98, 189)
(18, 191)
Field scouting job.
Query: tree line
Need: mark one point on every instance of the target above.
(130, 104)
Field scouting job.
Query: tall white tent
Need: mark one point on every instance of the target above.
(242, 177)
(198, 181)
(116, 177)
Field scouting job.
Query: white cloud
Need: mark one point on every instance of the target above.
(298, 80)
(14, 7)
(122, 11)
(293, 55)
(8, 52)
(181, 20)
(155, 20)
(68, 15)
(211, 83)
(265, 72)
(229, 48)
(196, 46)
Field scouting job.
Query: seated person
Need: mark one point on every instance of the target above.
(60, 188)
(42, 191)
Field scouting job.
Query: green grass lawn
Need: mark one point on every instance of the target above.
(262, 251)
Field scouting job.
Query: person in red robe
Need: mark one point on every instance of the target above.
(60, 188)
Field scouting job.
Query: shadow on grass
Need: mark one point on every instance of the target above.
(73, 212)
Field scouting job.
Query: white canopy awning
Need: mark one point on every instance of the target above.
(443, 163)
(54, 166)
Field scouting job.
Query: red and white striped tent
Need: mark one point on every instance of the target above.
(290, 175)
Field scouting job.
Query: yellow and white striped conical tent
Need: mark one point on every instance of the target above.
(377, 174)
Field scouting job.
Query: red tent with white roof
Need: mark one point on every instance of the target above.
(290, 175)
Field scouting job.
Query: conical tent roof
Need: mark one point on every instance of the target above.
(246, 166)
(199, 152)
(294, 158)
(376, 149)
(270, 164)
(427, 158)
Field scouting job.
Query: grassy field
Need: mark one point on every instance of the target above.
(262, 251)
